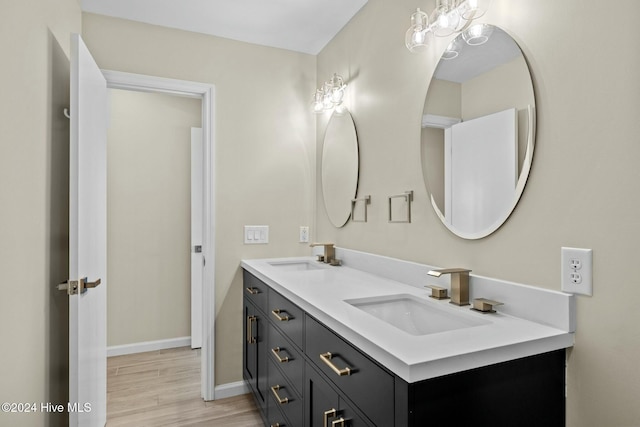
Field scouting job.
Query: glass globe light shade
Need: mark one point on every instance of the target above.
(445, 18)
(337, 89)
(340, 109)
(453, 50)
(477, 34)
(472, 9)
(418, 35)
(316, 103)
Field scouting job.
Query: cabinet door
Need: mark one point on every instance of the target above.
(320, 399)
(249, 360)
(254, 365)
(326, 407)
(348, 417)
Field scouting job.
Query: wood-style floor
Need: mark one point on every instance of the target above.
(162, 388)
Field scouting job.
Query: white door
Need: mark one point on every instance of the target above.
(87, 240)
(197, 265)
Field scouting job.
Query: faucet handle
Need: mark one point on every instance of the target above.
(484, 305)
(441, 271)
(437, 292)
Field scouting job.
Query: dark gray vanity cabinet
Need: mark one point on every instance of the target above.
(525, 392)
(303, 374)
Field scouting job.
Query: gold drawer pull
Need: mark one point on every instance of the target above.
(280, 400)
(328, 414)
(250, 338)
(277, 312)
(326, 358)
(338, 423)
(253, 291)
(276, 353)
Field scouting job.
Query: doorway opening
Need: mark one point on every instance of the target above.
(190, 94)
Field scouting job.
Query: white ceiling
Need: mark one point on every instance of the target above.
(298, 25)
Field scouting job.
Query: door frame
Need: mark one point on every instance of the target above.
(205, 92)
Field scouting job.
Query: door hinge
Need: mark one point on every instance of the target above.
(74, 287)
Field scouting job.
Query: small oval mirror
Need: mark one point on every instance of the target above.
(339, 167)
(478, 130)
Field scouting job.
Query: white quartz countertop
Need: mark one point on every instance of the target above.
(322, 293)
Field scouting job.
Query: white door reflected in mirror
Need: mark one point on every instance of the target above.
(480, 170)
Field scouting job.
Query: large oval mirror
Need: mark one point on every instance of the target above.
(478, 130)
(339, 167)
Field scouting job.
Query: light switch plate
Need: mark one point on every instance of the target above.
(256, 234)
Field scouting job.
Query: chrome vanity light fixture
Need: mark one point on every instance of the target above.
(449, 17)
(330, 96)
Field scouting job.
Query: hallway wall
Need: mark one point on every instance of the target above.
(149, 216)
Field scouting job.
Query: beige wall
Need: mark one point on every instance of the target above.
(583, 187)
(34, 165)
(149, 216)
(264, 145)
(506, 86)
(445, 99)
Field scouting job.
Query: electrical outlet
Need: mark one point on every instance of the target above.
(577, 271)
(304, 234)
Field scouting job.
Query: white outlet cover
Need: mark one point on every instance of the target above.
(304, 234)
(576, 270)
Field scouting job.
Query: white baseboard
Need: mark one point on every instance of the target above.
(231, 389)
(141, 347)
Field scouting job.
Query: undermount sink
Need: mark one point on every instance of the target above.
(296, 265)
(416, 316)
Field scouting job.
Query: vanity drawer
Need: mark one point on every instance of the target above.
(283, 398)
(276, 419)
(286, 316)
(286, 357)
(368, 385)
(255, 290)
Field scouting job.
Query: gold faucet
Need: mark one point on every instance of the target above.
(329, 252)
(459, 283)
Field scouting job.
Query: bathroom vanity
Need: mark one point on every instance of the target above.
(323, 346)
